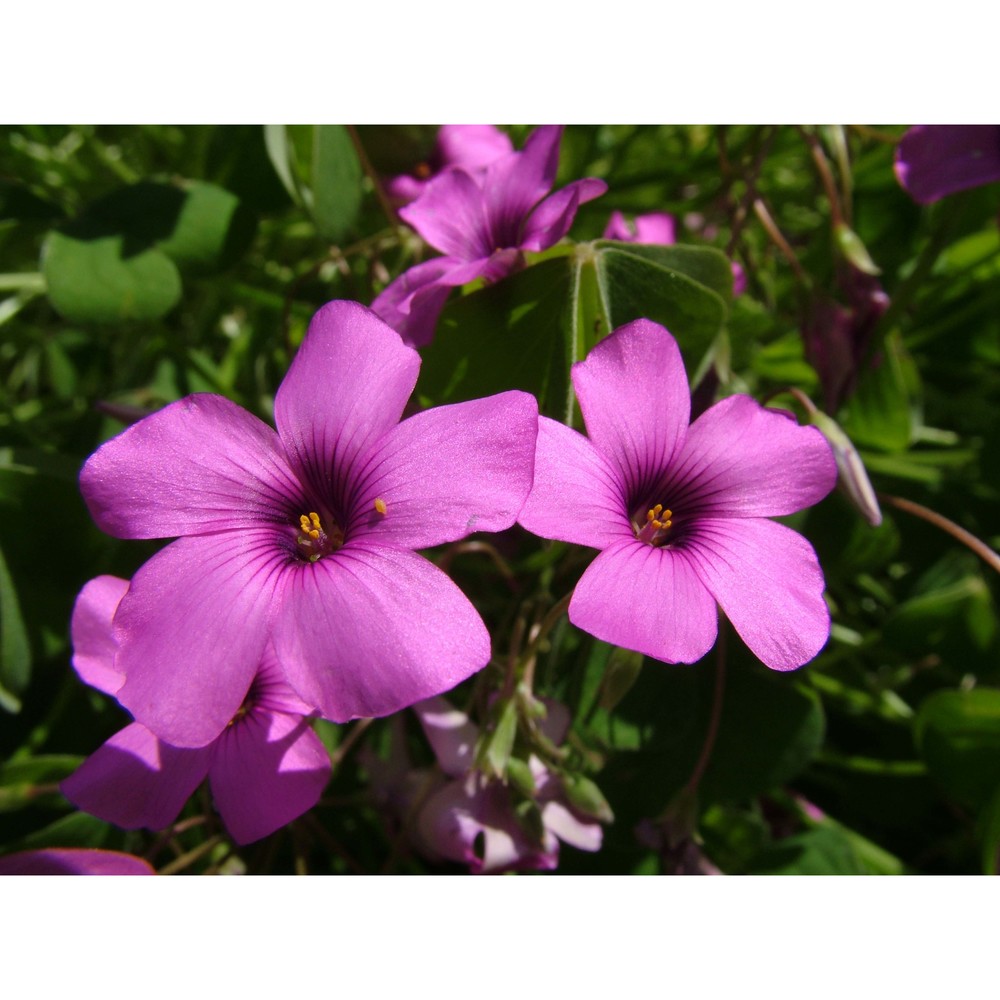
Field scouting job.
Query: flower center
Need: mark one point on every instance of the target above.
(314, 540)
(656, 527)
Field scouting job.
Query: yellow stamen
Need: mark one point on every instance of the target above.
(380, 505)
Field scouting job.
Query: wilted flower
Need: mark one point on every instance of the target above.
(474, 819)
(936, 160)
(304, 538)
(266, 768)
(837, 337)
(471, 147)
(680, 513)
(482, 221)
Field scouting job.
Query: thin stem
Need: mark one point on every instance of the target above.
(357, 731)
(461, 548)
(825, 176)
(185, 860)
(366, 165)
(743, 209)
(716, 717)
(968, 539)
(778, 238)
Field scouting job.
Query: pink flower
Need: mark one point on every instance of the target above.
(657, 228)
(266, 768)
(470, 147)
(482, 221)
(936, 160)
(73, 861)
(473, 819)
(680, 513)
(304, 538)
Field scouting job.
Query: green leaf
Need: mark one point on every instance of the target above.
(526, 331)
(880, 414)
(119, 260)
(511, 335)
(97, 280)
(989, 828)
(771, 728)
(683, 288)
(15, 650)
(320, 170)
(500, 742)
(211, 230)
(958, 735)
(336, 182)
(827, 849)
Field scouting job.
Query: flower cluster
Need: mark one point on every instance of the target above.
(292, 586)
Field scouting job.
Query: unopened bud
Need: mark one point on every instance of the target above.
(520, 776)
(852, 478)
(854, 250)
(621, 673)
(586, 797)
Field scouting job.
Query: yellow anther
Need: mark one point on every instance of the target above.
(311, 526)
(380, 505)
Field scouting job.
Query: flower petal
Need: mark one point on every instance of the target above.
(136, 780)
(450, 733)
(742, 460)
(198, 465)
(448, 472)
(577, 495)
(585, 835)
(936, 160)
(73, 861)
(94, 646)
(636, 403)
(347, 386)
(191, 630)
(647, 599)
(657, 228)
(450, 215)
(413, 302)
(269, 768)
(770, 585)
(471, 146)
(551, 219)
(368, 631)
(514, 184)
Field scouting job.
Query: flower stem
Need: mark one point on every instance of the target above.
(715, 718)
(778, 238)
(968, 539)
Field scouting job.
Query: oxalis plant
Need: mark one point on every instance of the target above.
(428, 500)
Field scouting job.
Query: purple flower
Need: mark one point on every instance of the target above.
(473, 819)
(471, 147)
(266, 768)
(304, 538)
(680, 513)
(657, 228)
(73, 861)
(482, 221)
(936, 160)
